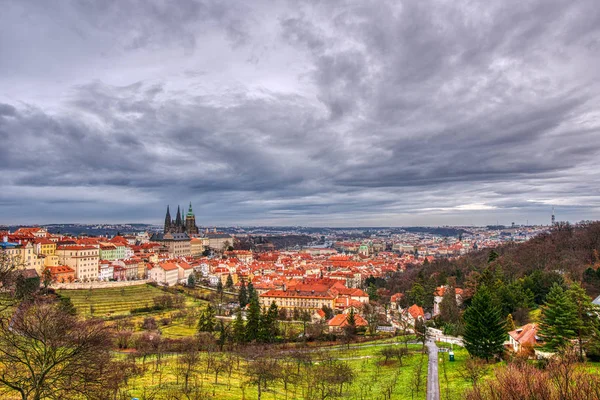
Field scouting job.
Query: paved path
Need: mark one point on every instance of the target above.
(433, 384)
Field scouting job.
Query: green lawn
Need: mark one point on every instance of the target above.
(452, 377)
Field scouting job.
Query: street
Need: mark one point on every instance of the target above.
(433, 386)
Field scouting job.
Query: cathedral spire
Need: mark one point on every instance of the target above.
(167, 221)
(178, 221)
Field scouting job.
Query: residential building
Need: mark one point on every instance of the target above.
(166, 273)
(340, 321)
(83, 259)
(62, 273)
(302, 299)
(523, 337)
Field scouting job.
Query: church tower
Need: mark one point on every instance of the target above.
(168, 221)
(190, 222)
(178, 221)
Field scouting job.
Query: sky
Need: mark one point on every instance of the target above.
(313, 113)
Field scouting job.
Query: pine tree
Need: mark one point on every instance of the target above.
(586, 313)
(243, 295)
(268, 324)
(223, 334)
(493, 256)
(510, 323)
(253, 320)
(191, 280)
(558, 322)
(229, 283)
(251, 292)
(219, 287)
(485, 330)
(239, 328)
(207, 320)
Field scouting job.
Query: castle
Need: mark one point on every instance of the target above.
(179, 225)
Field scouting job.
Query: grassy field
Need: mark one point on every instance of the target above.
(372, 379)
(452, 377)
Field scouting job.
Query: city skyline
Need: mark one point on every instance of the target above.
(312, 114)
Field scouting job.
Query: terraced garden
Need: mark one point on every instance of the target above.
(111, 301)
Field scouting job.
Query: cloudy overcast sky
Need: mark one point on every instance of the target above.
(373, 113)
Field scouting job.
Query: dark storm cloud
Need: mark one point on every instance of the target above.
(307, 113)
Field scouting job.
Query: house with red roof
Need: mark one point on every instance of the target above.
(340, 321)
(523, 337)
(166, 273)
(412, 314)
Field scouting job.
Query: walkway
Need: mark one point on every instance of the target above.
(433, 385)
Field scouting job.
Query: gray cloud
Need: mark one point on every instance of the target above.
(318, 113)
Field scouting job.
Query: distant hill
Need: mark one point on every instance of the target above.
(440, 231)
(566, 253)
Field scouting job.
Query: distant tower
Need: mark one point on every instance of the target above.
(178, 221)
(167, 221)
(553, 217)
(190, 222)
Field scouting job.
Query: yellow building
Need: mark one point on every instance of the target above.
(83, 259)
(197, 246)
(45, 247)
(300, 299)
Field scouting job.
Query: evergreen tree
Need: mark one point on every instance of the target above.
(558, 322)
(510, 323)
(372, 292)
(243, 295)
(268, 324)
(191, 280)
(229, 283)
(493, 256)
(223, 334)
(220, 287)
(251, 292)
(586, 314)
(272, 314)
(485, 330)
(253, 320)
(207, 320)
(239, 328)
(416, 295)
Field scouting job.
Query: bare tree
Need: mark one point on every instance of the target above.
(45, 353)
(262, 371)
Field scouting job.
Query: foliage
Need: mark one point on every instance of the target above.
(191, 282)
(558, 321)
(560, 380)
(229, 282)
(449, 311)
(207, 320)
(253, 321)
(485, 330)
(243, 295)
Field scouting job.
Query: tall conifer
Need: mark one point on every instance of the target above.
(485, 329)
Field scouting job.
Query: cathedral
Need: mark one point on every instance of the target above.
(179, 225)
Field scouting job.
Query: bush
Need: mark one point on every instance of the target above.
(149, 324)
